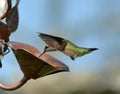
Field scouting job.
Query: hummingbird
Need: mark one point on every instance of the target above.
(63, 45)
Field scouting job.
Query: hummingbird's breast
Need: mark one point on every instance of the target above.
(70, 50)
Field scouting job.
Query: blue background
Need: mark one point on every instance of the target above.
(87, 23)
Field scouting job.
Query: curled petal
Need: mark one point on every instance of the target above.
(34, 66)
(16, 86)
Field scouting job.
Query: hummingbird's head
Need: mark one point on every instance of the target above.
(86, 51)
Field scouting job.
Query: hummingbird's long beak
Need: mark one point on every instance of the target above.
(93, 49)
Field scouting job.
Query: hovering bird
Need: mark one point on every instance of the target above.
(67, 47)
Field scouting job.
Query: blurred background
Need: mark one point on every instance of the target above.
(87, 23)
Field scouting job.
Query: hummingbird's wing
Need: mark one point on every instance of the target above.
(13, 18)
(53, 41)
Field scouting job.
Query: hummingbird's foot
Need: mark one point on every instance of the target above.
(72, 57)
(47, 49)
(44, 51)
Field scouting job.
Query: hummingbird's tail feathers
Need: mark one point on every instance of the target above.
(92, 49)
